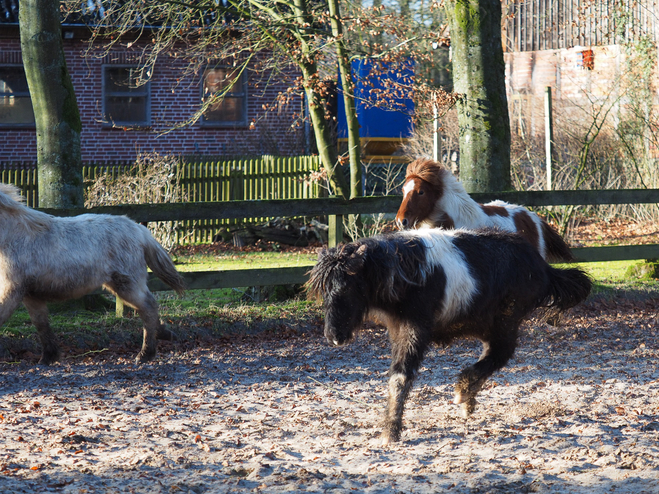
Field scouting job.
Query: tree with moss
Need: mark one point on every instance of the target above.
(479, 79)
(57, 120)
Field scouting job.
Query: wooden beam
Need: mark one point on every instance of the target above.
(616, 253)
(202, 280)
(359, 205)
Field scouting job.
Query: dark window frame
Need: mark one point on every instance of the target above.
(26, 94)
(238, 91)
(143, 91)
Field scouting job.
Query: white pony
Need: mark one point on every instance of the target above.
(44, 258)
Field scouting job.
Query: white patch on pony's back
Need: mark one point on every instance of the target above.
(461, 287)
(454, 201)
(408, 187)
(506, 223)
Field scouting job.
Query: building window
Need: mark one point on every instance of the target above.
(231, 110)
(125, 102)
(15, 102)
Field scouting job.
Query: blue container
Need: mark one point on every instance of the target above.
(378, 122)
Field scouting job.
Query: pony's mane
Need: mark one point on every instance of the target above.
(392, 263)
(427, 170)
(12, 205)
(455, 203)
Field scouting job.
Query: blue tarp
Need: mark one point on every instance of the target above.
(378, 122)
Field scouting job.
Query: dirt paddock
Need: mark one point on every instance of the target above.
(577, 410)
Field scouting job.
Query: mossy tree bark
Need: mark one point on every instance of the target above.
(317, 103)
(479, 77)
(56, 113)
(352, 123)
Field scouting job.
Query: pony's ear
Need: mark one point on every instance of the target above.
(322, 252)
(356, 259)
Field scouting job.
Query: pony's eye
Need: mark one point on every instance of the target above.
(420, 192)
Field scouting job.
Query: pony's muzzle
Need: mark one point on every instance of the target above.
(335, 339)
(402, 224)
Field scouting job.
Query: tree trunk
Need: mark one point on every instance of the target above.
(345, 72)
(56, 114)
(327, 151)
(479, 77)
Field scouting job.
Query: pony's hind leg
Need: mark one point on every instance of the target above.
(140, 298)
(495, 355)
(38, 311)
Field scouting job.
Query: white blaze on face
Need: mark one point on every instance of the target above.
(408, 187)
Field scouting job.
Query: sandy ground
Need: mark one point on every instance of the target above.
(575, 411)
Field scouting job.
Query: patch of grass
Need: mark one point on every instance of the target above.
(243, 260)
(611, 278)
(230, 310)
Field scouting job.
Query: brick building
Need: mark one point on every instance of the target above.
(121, 120)
(579, 49)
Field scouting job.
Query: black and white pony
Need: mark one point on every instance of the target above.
(44, 258)
(436, 286)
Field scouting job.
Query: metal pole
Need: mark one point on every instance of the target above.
(437, 138)
(549, 136)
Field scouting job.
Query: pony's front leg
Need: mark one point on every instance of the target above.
(407, 352)
(38, 311)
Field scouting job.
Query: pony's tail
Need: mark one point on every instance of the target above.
(161, 265)
(556, 250)
(567, 288)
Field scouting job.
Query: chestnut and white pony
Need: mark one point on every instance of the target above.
(435, 286)
(433, 198)
(44, 258)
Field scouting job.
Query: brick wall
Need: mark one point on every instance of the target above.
(174, 98)
(574, 87)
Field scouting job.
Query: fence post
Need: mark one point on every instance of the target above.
(335, 229)
(549, 137)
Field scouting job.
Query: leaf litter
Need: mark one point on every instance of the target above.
(574, 411)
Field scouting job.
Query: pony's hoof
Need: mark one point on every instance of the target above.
(468, 408)
(166, 334)
(49, 358)
(143, 357)
(387, 440)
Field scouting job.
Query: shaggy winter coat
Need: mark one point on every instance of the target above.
(45, 258)
(433, 286)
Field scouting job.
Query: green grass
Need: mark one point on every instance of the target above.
(243, 260)
(233, 309)
(611, 277)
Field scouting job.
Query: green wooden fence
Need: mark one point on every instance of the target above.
(241, 179)
(335, 208)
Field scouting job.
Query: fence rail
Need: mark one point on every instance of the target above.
(336, 207)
